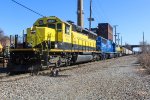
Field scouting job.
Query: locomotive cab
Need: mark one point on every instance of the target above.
(49, 30)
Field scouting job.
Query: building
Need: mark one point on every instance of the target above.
(105, 30)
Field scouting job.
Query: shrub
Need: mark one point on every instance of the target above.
(144, 57)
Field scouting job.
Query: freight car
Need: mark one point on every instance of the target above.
(122, 51)
(126, 51)
(51, 41)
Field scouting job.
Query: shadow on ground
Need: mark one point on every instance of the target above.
(3, 70)
(48, 74)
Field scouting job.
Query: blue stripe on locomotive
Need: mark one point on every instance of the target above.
(104, 45)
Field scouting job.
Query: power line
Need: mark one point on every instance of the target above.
(28, 8)
(101, 10)
(94, 13)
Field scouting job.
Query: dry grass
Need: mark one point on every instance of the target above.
(144, 59)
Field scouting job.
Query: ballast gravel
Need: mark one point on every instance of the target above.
(113, 79)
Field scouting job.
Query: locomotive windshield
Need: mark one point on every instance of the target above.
(41, 23)
(53, 26)
(51, 21)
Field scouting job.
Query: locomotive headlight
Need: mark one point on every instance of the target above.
(33, 31)
(56, 45)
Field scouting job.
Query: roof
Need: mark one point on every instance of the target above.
(50, 17)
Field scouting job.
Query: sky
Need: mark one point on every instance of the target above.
(131, 16)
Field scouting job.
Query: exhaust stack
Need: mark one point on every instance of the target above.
(80, 13)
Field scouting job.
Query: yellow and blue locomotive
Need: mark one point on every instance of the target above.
(52, 41)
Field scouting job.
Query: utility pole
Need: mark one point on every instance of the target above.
(118, 38)
(121, 40)
(80, 13)
(143, 48)
(143, 39)
(90, 19)
(115, 32)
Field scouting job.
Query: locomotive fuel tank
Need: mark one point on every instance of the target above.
(84, 58)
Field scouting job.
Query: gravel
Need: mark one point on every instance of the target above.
(114, 79)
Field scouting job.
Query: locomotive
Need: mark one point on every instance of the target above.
(106, 47)
(51, 41)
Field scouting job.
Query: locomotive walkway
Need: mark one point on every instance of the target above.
(114, 79)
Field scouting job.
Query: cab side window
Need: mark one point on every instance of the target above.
(67, 29)
(59, 27)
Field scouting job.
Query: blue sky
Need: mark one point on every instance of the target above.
(131, 16)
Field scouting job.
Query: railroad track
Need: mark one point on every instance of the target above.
(9, 78)
(3, 75)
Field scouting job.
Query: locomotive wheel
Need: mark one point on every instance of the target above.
(35, 70)
(67, 62)
(98, 58)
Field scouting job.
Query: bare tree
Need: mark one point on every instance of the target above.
(1, 34)
(128, 46)
(144, 47)
(144, 58)
(4, 40)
